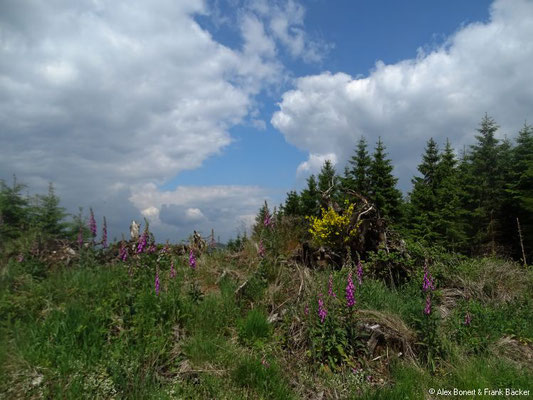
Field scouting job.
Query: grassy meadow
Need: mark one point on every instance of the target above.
(246, 323)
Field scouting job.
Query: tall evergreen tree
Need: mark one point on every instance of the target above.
(430, 161)
(14, 216)
(328, 181)
(484, 185)
(347, 181)
(423, 197)
(292, 204)
(49, 215)
(447, 162)
(260, 220)
(358, 175)
(383, 190)
(505, 213)
(521, 187)
(309, 198)
(523, 152)
(449, 213)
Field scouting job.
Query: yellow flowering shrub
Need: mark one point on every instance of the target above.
(333, 229)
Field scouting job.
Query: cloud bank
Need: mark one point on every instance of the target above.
(102, 98)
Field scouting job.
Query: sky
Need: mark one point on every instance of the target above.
(192, 113)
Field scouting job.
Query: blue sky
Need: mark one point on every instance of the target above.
(192, 113)
(358, 34)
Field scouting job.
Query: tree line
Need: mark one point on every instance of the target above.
(20, 214)
(480, 202)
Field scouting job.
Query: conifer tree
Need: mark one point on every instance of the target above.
(49, 214)
(505, 214)
(358, 176)
(310, 198)
(14, 216)
(292, 204)
(347, 181)
(484, 186)
(521, 187)
(260, 220)
(423, 197)
(447, 162)
(327, 180)
(383, 190)
(449, 213)
(523, 152)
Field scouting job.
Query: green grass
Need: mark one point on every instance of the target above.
(262, 377)
(409, 382)
(97, 331)
(254, 327)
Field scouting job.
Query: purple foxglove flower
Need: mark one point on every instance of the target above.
(165, 249)
(157, 283)
(123, 253)
(306, 309)
(268, 220)
(142, 242)
(172, 270)
(427, 309)
(261, 249)
(360, 272)
(192, 260)
(322, 312)
(152, 249)
(92, 224)
(350, 289)
(330, 286)
(428, 280)
(104, 234)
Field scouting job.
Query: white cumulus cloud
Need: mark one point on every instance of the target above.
(483, 67)
(314, 163)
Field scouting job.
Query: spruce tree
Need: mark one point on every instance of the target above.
(448, 216)
(309, 199)
(49, 214)
(523, 152)
(359, 173)
(260, 221)
(14, 215)
(347, 181)
(423, 197)
(292, 204)
(383, 190)
(430, 160)
(521, 188)
(485, 185)
(505, 213)
(327, 182)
